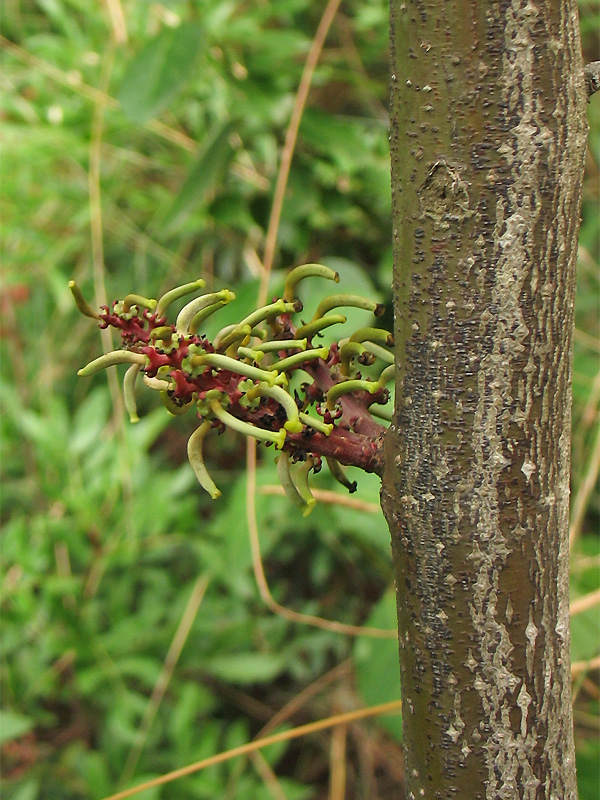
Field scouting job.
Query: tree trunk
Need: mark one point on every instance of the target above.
(487, 142)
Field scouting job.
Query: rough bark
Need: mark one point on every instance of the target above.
(487, 141)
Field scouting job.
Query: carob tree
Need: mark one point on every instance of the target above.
(488, 136)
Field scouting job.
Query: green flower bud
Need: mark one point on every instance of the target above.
(196, 459)
(306, 271)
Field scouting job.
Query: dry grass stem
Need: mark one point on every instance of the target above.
(330, 497)
(259, 573)
(251, 747)
(337, 763)
(117, 21)
(584, 491)
(300, 700)
(583, 603)
(577, 667)
(268, 776)
(171, 659)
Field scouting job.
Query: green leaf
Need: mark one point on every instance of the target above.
(365, 526)
(26, 791)
(13, 725)
(153, 793)
(159, 71)
(588, 758)
(192, 702)
(585, 626)
(204, 177)
(89, 420)
(342, 139)
(93, 767)
(376, 663)
(142, 668)
(247, 668)
(585, 635)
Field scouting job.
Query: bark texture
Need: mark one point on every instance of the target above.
(487, 140)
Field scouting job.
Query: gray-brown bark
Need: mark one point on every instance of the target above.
(487, 140)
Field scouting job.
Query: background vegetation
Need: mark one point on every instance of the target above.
(141, 147)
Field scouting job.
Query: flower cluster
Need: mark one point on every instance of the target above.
(264, 376)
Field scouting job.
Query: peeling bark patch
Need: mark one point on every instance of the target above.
(457, 725)
(531, 632)
(528, 468)
(443, 196)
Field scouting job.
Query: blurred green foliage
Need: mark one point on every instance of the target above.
(105, 533)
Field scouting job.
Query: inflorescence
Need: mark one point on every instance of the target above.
(265, 376)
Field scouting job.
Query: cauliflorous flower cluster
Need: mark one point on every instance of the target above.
(264, 376)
